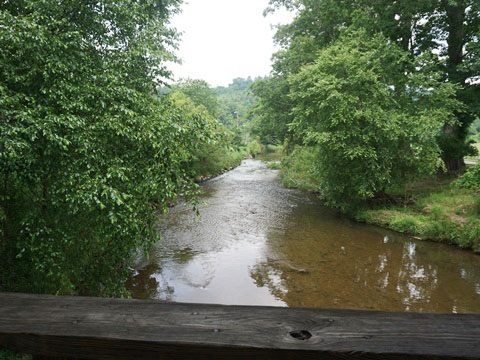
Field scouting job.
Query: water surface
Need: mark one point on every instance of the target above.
(257, 243)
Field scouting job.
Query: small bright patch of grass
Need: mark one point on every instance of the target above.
(271, 154)
(441, 211)
(276, 165)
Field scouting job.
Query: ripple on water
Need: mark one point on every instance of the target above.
(257, 243)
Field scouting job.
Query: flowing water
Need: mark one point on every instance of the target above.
(257, 243)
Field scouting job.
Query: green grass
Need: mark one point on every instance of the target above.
(296, 170)
(271, 154)
(441, 212)
(275, 165)
(216, 161)
(255, 147)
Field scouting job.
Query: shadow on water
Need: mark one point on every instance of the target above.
(257, 243)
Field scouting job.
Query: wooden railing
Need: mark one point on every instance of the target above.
(96, 328)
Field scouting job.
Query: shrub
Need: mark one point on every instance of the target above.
(297, 169)
(255, 147)
(471, 179)
(88, 153)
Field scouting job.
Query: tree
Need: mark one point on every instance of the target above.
(271, 114)
(88, 154)
(218, 151)
(372, 125)
(236, 101)
(230, 105)
(458, 27)
(201, 94)
(445, 27)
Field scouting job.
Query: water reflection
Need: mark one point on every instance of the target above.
(260, 244)
(360, 270)
(143, 283)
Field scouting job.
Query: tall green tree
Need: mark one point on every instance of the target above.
(271, 115)
(458, 26)
(448, 28)
(315, 25)
(201, 94)
(372, 125)
(87, 153)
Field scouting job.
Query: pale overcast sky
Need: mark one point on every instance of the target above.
(225, 39)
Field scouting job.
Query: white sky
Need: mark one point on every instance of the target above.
(225, 39)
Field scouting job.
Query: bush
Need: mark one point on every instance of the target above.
(214, 159)
(269, 148)
(471, 179)
(297, 169)
(255, 147)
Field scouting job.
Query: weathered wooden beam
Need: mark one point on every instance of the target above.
(96, 328)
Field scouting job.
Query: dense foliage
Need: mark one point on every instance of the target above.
(475, 131)
(372, 124)
(218, 153)
(471, 179)
(271, 113)
(200, 93)
(447, 28)
(88, 154)
(228, 110)
(235, 102)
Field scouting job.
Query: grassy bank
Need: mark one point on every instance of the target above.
(271, 154)
(296, 170)
(438, 210)
(215, 161)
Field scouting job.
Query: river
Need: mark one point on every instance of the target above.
(258, 243)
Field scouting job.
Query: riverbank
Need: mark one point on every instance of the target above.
(219, 160)
(216, 163)
(436, 210)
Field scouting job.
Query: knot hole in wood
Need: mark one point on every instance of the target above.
(300, 334)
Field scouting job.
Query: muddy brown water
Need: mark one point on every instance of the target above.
(257, 243)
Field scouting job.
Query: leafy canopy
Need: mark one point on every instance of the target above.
(448, 28)
(372, 124)
(87, 153)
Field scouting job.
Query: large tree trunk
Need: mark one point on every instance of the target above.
(455, 134)
(451, 155)
(452, 164)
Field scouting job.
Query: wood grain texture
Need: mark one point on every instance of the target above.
(96, 328)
